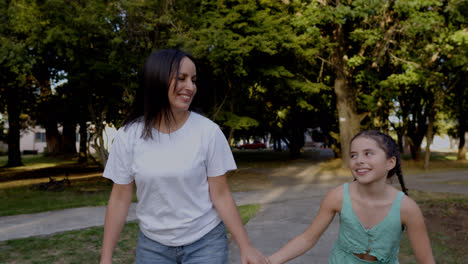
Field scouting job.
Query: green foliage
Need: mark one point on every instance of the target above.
(270, 64)
(236, 122)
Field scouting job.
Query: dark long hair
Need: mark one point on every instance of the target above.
(151, 104)
(391, 149)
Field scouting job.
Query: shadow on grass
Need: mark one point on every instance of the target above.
(40, 166)
(93, 191)
(57, 170)
(273, 159)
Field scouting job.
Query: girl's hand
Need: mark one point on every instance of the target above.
(252, 255)
(331, 204)
(272, 260)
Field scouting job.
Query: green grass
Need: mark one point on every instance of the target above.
(85, 192)
(442, 253)
(248, 211)
(455, 182)
(442, 250)
(436, 155)
(38, 160)
(439, 161)
(40, 166)
(270, 159)
(81, 246)
(444, 215)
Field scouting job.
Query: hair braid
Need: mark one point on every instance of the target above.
(399, 174)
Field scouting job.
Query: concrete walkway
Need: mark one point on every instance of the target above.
(287, 210)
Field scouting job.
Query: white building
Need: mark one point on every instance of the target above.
(33, 140)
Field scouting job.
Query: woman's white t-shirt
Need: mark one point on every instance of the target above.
(170, 171)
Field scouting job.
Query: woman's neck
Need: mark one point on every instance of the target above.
(174, 122)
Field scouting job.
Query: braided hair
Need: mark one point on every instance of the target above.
(391, 149)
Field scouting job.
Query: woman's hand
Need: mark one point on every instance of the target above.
(226, 207)
(251, 255)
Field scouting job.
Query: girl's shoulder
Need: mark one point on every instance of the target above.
(409, 208)
(334, 198)
(337, 192)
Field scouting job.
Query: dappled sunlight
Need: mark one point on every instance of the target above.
(455, 182)
(35, 166)
(26, 182)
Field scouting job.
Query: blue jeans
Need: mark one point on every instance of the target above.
(210, 249)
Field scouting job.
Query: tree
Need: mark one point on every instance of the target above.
(16, 83)
(352, 39)
(455, 68)
(423, 67)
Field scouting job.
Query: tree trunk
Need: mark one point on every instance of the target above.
(415, 134)
(461, 155)
(349, 121)
(53, 138)
(48, 112)
(99, 145)
(231, 130)
(296, 142)
(98, 140)
(438, 99)
(415, 150)
(69, 137)
(429, 135)
(347, 116)
(399, 132)
(13, 108)
(83, 153)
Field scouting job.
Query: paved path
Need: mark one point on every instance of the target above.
(286, 211)
(439, 182)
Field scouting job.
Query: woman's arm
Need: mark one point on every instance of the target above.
(116, 215)
(225, 206)
(412, 217)
(331, 204)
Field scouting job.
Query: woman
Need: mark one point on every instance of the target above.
(178, 161)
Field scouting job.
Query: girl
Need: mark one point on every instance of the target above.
(373, 214)
(178, 161)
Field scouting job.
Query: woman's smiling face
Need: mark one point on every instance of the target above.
(182, 88)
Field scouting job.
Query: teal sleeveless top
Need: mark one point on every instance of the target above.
(382, 241)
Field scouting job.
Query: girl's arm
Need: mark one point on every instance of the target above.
(225, 206)
(412, 217)
(331, 204)
(116, 214)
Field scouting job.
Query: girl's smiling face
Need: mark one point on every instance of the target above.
(368, 161)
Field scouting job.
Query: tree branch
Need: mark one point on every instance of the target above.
(324, 60)
(405, 61)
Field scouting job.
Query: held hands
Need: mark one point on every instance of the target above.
(273, 260)
(251, 255)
